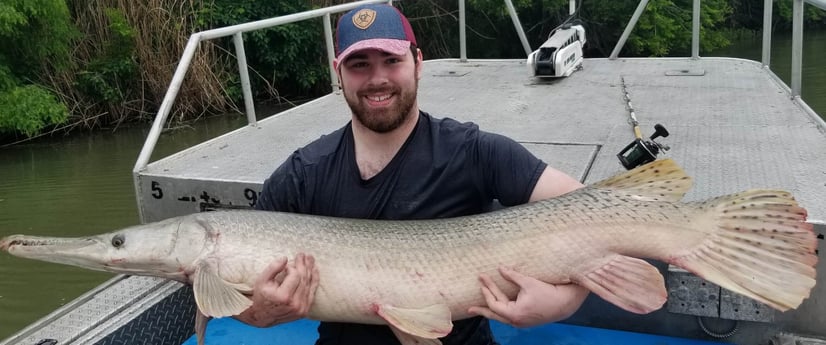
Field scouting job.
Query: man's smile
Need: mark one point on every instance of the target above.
(379, 100)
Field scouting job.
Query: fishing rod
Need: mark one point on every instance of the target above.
(640, 151)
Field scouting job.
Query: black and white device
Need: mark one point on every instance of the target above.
(561, 54)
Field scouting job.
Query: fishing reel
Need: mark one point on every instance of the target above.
(642, 151)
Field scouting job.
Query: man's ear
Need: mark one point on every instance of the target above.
(338, 72)
(420, 63)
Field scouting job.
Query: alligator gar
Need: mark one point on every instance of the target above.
(419, 275)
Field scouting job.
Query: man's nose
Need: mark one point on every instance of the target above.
(378, 75)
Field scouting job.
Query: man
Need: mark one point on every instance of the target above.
(393, 161)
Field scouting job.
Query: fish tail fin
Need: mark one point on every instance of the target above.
(759, 246)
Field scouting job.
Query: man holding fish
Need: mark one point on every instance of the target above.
(393, 161)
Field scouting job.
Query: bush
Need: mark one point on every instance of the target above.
(37, 37)
(109, 76)
(28, 109)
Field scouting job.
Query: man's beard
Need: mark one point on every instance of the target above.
(388, 119)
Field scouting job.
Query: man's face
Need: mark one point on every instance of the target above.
(380, 88)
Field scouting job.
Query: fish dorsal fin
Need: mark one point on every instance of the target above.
(216, 297)
(660, 180)
(629, 283)
(429, 323)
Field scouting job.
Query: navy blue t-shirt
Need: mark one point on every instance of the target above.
(444, 169)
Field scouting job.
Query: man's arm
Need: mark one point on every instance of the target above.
(553, 183)
(537, 302)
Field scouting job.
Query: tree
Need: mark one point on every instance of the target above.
(35, 37)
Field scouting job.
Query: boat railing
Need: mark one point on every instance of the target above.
(236, 31)
(797, 40)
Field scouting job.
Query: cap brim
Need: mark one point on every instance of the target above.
(391, 46)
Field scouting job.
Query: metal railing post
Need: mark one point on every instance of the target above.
(246, 88)
(695, 30)
(518, 26)
(628, 28)
(797, 46)
(767, 32)
(331, 54)
(168, 100)
(571, 6)
(462, 32)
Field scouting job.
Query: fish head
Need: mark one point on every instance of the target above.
(165, 249)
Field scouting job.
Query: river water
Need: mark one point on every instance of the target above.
(82, 185)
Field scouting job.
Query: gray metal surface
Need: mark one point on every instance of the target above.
(120, 302)
(691, 295)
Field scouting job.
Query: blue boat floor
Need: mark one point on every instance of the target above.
(229, 331)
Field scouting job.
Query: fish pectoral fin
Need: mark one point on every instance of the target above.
(428, 323)
(216, 297)
(629, 283)
(409, 339)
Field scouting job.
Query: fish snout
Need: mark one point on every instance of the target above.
(14, 241)
(7, 243)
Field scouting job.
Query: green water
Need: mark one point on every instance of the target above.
(72, 186)
(813, 88)
(82, 184)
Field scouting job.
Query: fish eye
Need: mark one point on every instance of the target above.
(118, 240)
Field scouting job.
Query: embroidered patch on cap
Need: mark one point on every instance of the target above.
(364, 18)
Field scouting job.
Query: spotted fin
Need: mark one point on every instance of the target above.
(429, 323)
(660, 180)
(759, 245)
(216, 297)
(629, 283)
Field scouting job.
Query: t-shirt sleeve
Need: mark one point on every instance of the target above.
(509, 171)
(284, 190)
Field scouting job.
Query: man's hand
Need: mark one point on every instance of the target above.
(537, 302)
(276, 300)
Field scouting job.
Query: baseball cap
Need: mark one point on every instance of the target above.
(376, 26)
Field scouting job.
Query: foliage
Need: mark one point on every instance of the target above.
(36, 38)
(290, 58)
(34, 32)
(117, 57)
(28, 109)
(664, 28)
(748, 14)
(812, 16)
(127, 57)
(109, 75)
